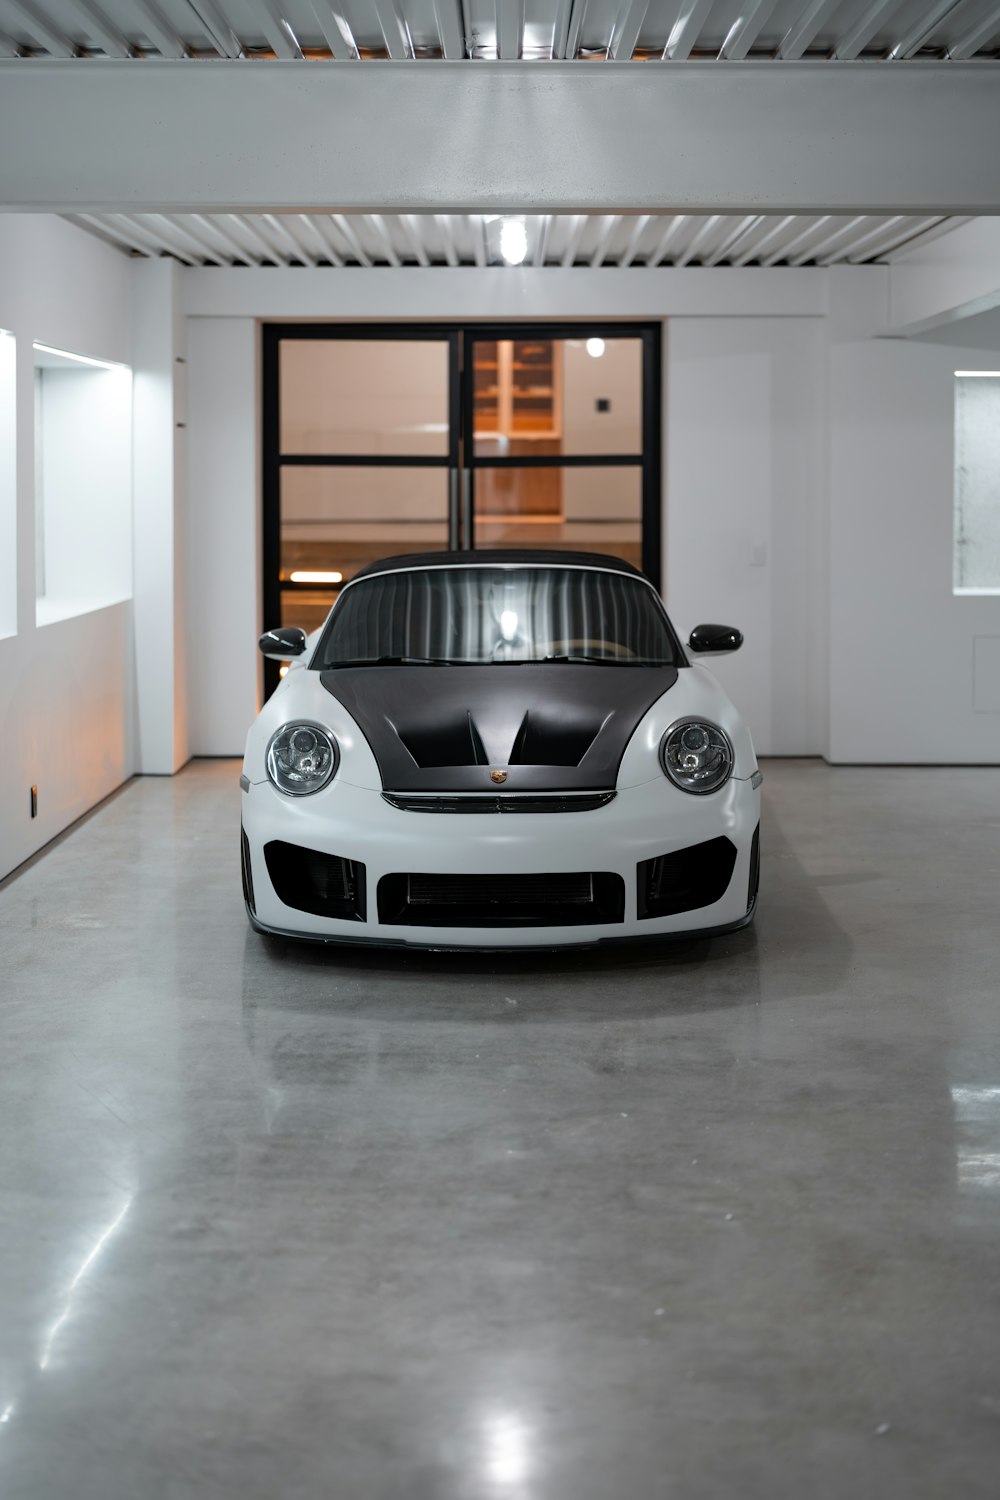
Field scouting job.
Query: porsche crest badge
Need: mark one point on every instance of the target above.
(499, 777)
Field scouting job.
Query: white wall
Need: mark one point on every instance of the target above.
(223, 527)
(795, 448)
(743, 499)
(66, 689)
(159, 481)
(743, 441)
(8, 484)
(903, 647)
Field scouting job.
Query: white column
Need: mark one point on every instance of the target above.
(160, 468)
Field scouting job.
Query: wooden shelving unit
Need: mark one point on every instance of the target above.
(517, 390)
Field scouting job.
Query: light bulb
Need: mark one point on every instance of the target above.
(513, 241)
(595, 348)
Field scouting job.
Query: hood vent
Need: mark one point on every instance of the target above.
(545, 737)
(548, 727)
(548, 737)
(453, 741)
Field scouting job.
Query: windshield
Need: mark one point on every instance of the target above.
(472, 616)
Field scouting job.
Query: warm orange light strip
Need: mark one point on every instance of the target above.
(298, 577)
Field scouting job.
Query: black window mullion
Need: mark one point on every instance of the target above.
(561, 461)
(364, 461)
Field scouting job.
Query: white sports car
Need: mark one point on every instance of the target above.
(499, 750)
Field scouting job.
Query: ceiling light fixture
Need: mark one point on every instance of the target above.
(513, 241)
(595, 348)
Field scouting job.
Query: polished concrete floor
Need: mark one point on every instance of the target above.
(716, 1221)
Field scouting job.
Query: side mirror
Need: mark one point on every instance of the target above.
(716, 638)
(285, 641)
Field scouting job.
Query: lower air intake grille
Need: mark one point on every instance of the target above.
(754, 868)
(247, 872)
(557, 900)
(688, 878)
(323, 884)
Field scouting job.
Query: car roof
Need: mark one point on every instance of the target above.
(509, 557)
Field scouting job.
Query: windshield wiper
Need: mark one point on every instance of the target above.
(392, 661)
(606, 661)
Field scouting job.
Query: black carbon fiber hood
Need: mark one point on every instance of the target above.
(550, 726)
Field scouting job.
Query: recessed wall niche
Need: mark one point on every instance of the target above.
(83, 483)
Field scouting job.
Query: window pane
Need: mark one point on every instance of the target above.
(581, 509)
(307, 608)
(573, 396)
(977, 483)
(366, 396)
(337, 520)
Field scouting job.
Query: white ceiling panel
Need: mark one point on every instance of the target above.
(530, 30)
(596, 240)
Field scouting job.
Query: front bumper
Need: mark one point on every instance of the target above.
(642, 823)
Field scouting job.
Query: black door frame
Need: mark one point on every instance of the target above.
(460, 459)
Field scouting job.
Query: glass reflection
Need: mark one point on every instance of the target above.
(977, 1115)
(95, 1251)
(507, 1449)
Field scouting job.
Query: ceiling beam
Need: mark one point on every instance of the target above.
(510, 28)
(398, 43)
(448, 19)
(162, 36)
(865, 28)
(690, 19)
(277, 31)
(671, 231)
(756, 250)
(625, 32)
(108, 37)
(741, 228)
(541, 242)
(805, 29)
(632, 245)
(746, 29)
(336, 32)
(922, 29)
(41, 29)
(971, 41)
(604, 238)
(206, 137)
(216, 24)
(696, 241)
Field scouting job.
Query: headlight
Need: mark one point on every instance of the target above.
(696, 756)
(301, 758)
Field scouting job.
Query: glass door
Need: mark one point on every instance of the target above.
(360, 454)
(385, 439)
(563, 440)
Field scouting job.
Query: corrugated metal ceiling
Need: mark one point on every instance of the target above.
(552, 240)
(668, 30)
